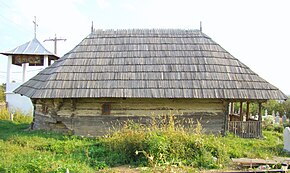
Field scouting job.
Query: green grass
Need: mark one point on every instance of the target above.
(38, 151)
(22, 150)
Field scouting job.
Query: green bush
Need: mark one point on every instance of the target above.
(268, 125)
(165, 145)
(286, 124)
(278, 128)
(18, 116)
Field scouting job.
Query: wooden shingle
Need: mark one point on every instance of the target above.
(149, 63)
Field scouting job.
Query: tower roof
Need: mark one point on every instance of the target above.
(33, 47)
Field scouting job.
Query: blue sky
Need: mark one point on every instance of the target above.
(256, 32)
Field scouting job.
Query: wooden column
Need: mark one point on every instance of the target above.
(241, 111)
(232, 108)
(226, 120)
(260, 121)
(248, 111)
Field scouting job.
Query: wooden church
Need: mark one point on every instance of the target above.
(115, 75)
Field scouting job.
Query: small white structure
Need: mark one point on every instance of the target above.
(31, 53)
(284, 118)
(273, 114)
(277, 119)
(287, 139)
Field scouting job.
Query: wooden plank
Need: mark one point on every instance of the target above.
(254, 162)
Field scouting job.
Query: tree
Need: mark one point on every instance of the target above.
(286, 107)
(2, 93)
(270, 106)
(278, 106)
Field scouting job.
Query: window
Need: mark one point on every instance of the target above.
(106, 109)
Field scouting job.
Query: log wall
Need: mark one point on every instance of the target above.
(84, 116)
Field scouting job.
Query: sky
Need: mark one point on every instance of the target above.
(257, 32)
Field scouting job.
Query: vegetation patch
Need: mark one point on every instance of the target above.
(158, 147)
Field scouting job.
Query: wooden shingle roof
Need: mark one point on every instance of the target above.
(149, 63)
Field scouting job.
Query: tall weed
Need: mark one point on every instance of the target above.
(18, 116)
(165, 143)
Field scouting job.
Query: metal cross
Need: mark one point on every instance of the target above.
(35, 25)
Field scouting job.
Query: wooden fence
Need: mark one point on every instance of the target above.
(245, 129)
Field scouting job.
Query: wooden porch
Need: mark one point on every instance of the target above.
(245, 129)
(241, 124)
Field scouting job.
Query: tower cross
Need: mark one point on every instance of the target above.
(55, 40)
(35, 25)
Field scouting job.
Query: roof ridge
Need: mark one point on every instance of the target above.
(159, 31)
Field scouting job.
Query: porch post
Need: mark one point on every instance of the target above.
(248, 111)
(232, 108)
(241, 111)
(260, 121)
(226, 119)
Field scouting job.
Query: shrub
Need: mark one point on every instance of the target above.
(165, 144)
(278, 128)
(286, 124)
(268, 123)
(18, 116)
